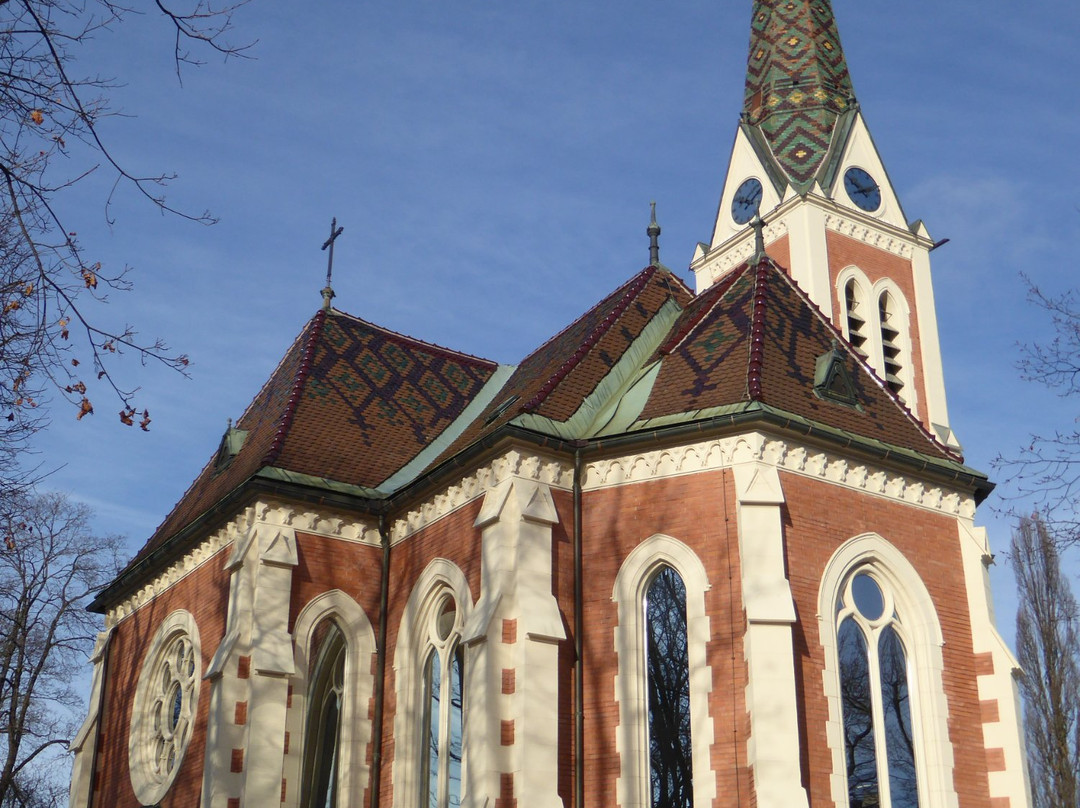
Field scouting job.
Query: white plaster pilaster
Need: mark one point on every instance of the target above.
(773, 749)
(516, 584)
(260, 566)
(84, 746)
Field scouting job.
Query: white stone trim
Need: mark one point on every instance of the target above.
(516, 462)
(631, 744)
(149, 787)
(237, 531)
(773, 750)
(439, 576)
(84, 745)
(1000, 687)
(921, 632)
(787, 455)
(353, 772)
(860, 230)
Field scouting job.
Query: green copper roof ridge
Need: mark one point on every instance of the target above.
(602, 403)
(453, 431)
(311, 481)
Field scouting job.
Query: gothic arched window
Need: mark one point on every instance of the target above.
(322, 734)
(444, 709)
(664, 679)
(667, 669)
(888, 713)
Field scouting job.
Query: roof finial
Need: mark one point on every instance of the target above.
(328, 290)
(759, 239)
(653, 232)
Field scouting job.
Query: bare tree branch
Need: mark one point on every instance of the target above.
(51, 337)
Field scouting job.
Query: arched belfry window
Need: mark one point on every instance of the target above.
(667, 668)
(322, 733)
(879, 746)
(444, 708)
(888, 713)
(854, 311)
(889, 319)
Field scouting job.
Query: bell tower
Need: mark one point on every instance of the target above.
(804, 162)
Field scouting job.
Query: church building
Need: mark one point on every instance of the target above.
(707, 547)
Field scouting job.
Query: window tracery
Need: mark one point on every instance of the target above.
(444, 715)
(328, 721)
(879, 749)
(668, 670)
(322, 733)
(888, 713)
(430, 663)
(163, 713)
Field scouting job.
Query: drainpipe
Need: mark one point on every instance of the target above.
(579, 622)
(380, 663)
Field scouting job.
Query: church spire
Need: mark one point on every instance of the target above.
(797, 84)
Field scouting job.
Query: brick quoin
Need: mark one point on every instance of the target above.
(509, 680)
(236, 761)
(240, 714)
(509, 631)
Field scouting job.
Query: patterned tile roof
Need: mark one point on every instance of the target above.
(555, 378)
(797, 83)
(349, 402)
(354, 404)
(757, 337)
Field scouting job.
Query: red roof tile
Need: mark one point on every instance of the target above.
(349, 402)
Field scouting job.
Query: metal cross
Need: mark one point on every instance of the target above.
(335, 231)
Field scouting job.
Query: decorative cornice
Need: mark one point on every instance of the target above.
(674, 461)
(739, 252)
(267, 513)
(786, 455)
(868, 234)
(552, 471)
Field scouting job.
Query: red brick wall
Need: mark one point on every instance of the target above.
(818, 517)
(454, 538)
(205, 594)
(699, 511)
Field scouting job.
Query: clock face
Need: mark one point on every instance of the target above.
(747, 201)
(862, 189)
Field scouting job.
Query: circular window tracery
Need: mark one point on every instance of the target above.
(164, 707)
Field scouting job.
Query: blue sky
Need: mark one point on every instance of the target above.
(493, 167)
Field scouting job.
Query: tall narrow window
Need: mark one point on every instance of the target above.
(323, 731)
(668, 676)
(856, 321)
(892, 365)
(879, 750)
(444, 711)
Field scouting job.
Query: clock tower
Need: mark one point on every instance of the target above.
(804, 161)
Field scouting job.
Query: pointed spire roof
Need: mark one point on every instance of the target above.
(797, 84)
